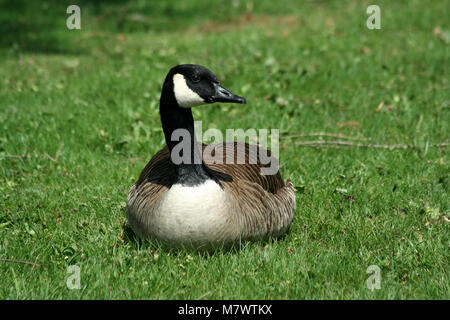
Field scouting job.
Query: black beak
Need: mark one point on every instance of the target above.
(223, 95)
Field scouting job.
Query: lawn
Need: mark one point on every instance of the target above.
(79, 120)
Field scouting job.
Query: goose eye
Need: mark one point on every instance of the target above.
(195, 78)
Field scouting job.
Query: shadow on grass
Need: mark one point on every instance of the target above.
(152, 244)
(40, 26)
(35, 26)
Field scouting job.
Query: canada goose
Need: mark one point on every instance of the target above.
(205, 204)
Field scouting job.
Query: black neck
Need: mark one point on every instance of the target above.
(191, 170)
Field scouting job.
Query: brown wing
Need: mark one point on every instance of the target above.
(247, 168)
(237, 160)
(159, 170)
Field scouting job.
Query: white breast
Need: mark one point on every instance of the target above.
(194, 214)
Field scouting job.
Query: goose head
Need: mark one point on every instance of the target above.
(193, 85)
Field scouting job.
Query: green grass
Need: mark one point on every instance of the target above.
(88, 100)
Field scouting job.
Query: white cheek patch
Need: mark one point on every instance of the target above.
(186, 98)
